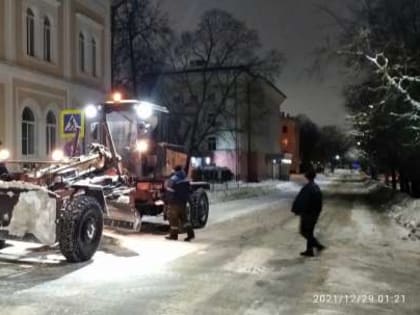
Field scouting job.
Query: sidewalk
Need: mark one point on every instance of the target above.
(242, 190)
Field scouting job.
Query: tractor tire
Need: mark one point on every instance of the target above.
(80, 229)
(2, 244)
(198, 209)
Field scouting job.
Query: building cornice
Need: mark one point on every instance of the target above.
(17, 71)
(54, 3)
(87, 20)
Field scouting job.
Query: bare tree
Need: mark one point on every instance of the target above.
(210, 69)
(140, 35)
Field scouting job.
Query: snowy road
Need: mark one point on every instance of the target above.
(245, 262)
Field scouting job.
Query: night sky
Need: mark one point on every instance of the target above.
(294, 27)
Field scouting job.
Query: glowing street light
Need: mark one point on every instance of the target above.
(337, 157)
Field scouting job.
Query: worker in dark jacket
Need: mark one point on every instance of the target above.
(308, 205)
(178, 192)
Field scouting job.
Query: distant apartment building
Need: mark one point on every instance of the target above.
(54, 54)
(290, 140)
(246, 137)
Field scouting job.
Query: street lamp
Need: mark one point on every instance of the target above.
(337, 157)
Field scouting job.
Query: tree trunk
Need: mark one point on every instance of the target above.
(415, 188)
(394, 178)
(131, 52)
(187, 163)
(386, 178)
(404, 185)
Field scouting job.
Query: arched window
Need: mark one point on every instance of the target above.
(30, 32)
(82, 52)
(47, 39)
(51, 132)
(94, 70)
(28, 132)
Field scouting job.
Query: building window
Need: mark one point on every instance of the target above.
(212, 144)
(82, 52)
(47, 40)
(285, 129)
(30, 33)
(28, 132)
(211, 119)
(94, 70)
(51, 132)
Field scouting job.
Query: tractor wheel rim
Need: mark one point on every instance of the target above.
(203, 210)
(89, 230)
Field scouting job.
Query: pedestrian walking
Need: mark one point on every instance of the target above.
(178, 192)
(308, 205)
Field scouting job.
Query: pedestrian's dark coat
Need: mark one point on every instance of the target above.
(308, 203)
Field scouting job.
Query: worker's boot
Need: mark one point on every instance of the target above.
(190, 235)
(173, 235)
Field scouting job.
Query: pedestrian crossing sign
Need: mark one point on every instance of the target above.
(70, 121)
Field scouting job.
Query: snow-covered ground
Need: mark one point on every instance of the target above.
(406, 211)
(235, 191)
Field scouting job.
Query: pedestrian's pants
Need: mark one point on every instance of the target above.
(178, 218)
(307, 226)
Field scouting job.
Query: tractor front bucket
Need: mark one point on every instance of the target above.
(27, 212)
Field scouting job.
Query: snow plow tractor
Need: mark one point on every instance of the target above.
(68, 200)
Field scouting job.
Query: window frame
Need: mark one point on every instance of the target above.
(211, 144)
(28, 138)
(47, 39)
(82, 52)
(30, 32)
(50, 132)
(94, 51)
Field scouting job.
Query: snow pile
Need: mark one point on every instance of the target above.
(289, 186)
(406, 212)
(20, 185)
(35, 213)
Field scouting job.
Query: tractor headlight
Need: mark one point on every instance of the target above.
(144, 110)
(142, 146)
(4, 154)
(57, 155)
(91, 111)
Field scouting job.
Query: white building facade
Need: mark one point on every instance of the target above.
(54, 54)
